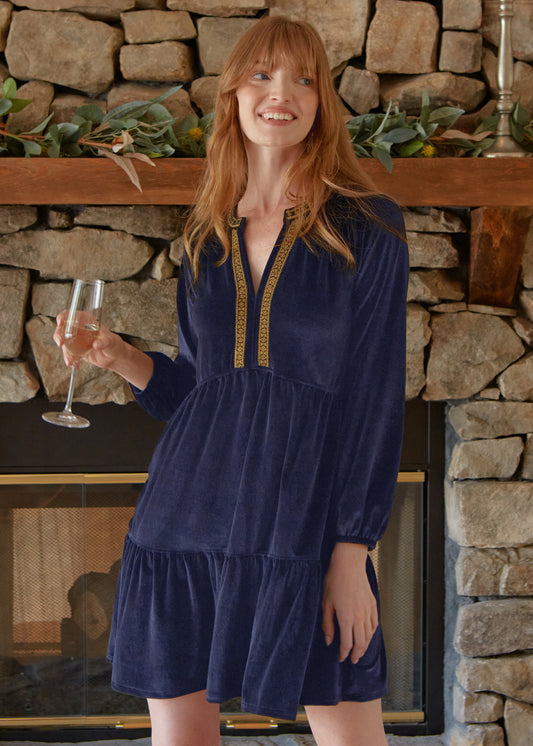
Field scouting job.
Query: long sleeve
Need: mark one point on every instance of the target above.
(172, 380)
(371, 396)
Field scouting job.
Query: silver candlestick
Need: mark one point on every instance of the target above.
(504, 145)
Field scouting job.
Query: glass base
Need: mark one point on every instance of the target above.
(65, 419)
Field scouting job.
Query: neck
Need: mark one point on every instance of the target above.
(265, 189)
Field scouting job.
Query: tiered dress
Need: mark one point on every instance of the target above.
(285, 420)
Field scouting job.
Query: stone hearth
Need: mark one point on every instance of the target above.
(476, 358)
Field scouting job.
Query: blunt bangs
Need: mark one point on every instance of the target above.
(273, 42)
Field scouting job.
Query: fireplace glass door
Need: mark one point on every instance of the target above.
(61, 539)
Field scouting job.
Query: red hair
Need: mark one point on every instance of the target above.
(328, 163)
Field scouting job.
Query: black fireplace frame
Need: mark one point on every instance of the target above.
(121, 439)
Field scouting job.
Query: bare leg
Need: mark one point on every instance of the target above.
(185, 721)
(347, 724)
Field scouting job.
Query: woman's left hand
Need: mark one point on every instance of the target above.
(347, 594)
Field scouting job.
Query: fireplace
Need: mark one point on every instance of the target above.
(65, 503)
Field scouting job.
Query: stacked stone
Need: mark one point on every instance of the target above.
(456, 351)
(136, 250)
(477, 358)
(126, 50)
(489, 495)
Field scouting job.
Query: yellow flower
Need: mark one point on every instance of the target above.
(196, 133)
(428, 150)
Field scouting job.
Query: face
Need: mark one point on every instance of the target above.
(277, 108)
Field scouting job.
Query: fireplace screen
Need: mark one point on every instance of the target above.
(60, 545)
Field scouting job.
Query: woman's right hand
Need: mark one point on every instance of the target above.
(106, 350)
(110, 351)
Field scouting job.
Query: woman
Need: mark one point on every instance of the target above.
(246, 569)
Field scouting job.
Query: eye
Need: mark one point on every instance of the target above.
(259, 76)
(306, 81)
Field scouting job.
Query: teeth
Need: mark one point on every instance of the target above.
(278, 115)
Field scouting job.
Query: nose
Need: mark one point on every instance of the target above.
(280, 88)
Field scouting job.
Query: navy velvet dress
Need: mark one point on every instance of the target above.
(284, 424)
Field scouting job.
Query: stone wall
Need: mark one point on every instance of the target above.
(476, 358)
(124, 50)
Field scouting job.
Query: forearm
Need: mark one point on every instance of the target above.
(134, 366)
(353, 554)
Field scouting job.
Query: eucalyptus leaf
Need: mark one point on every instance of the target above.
(125, 164)
(384, 158)
(431, 129)
(520, 115)
(360, 151)
(399, 135)
(18, 104)
(166, 150)
(187, 124)
(424, 109)
(173, 140)
(421, 130)
(484, 144)
(381, 142)
(31, 148)
(207, 121)
(72, 149)
(40, 127)
(92, 112)
(160, 113)
(517, 131)
(5, 105)
(445, 116)
(84, 128)
(487, 124)
(117, 124)
(410, 148)
(9, 88)
(141, 141)
(53, 150)
(137, 109)
(462, 143)
(384, 120)
(68, 131)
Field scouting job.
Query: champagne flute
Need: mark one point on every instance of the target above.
(81, 328)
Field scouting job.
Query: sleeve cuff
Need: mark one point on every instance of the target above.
(370, 543)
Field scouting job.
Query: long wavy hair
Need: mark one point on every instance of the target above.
(327, 164)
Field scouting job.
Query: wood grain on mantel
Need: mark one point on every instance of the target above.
(439, 182)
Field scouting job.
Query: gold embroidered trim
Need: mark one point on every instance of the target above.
(263, 341)
(241, 300)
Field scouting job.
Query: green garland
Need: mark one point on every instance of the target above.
(145, 130)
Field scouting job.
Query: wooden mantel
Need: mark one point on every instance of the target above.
(438, 182)
(502, 189)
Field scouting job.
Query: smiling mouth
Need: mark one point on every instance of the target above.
(278, 116)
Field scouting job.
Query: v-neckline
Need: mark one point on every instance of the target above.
(255, 294)
(240, 223)
(252, 310)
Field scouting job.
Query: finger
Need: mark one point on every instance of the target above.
(104, 341)
(328, 624)
(359, 648)
(374, 619)
(347, 641)
(361, 637)
(60, 326)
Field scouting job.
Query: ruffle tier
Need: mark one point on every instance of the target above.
(234, 625)
(247, 626)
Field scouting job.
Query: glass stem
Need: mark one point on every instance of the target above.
(68, 403)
